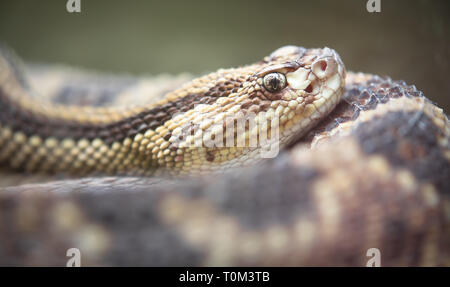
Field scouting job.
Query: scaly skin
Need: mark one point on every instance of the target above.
(372, 174)
(189, 130)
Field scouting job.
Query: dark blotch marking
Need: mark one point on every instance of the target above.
(278, 198)
(362, 97)
(395, 229)
(83, 97)
(137, 229)
(409, 140)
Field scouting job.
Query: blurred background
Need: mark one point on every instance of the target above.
(407, 40)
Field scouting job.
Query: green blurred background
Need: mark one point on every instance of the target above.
(408, 40)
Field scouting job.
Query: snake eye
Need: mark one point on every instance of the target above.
(274, 82)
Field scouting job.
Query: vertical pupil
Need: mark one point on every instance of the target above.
(273, 82)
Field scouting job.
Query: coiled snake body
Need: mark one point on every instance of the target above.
(154, 172)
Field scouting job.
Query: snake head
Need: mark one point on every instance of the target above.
(300, 85)
(240, 111)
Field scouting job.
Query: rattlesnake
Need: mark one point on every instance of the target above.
(109, 165)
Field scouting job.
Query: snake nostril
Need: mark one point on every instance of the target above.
(319, 68)
(323, 65)
(309, 88)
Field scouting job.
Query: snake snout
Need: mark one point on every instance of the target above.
(327, 64)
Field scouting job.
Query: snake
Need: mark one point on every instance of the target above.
(290, 161)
